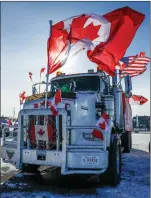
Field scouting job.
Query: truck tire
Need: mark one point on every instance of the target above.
(126, 140)
(131, 140)
(34, 173)
(113, 174)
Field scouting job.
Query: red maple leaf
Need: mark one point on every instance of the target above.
(22, 95)
(102, 125)
(35, 105)
(41, 132)
(43, 103)
(78, 31)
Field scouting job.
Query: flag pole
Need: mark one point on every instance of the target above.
(20, 101)
(47, 75)
(40, 82)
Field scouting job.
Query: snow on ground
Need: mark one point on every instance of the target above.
(7, 170)
(135, 181)
(141, 140)
(6, 167)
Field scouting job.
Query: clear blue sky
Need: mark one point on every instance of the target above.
(24, 34)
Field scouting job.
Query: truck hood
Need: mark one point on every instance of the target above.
(30, 104)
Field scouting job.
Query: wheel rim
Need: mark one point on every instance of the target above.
(117, 160)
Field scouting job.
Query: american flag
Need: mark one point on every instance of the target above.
(135, 65)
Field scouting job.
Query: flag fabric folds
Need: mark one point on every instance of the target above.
(127, 113)
(106, 38)
(30, 76)
(135, 65)
(137, 99)
(54, 103)
(22, 97)
(42, 70)
(103, 123)
(9, 122)
(6, 122)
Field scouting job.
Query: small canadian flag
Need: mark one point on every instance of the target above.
(55, 101)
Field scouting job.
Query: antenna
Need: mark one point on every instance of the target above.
(14, 113)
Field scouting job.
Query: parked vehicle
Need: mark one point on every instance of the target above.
(73, 140)
(3, 123)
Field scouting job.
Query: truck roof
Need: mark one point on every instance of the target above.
(78, 75)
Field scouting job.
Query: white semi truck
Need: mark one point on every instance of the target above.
(66, 140)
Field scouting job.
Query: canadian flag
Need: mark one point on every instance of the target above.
(41, 132)
(54, 103)
(42, 70)
(137, 100)
(30, 76)
(22, 97)
(106, 38)
(103, 123)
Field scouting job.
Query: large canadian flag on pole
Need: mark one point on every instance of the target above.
(106, 38)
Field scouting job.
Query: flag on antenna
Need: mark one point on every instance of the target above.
(103, 37)
(137, 99)
(9, 122)
(22, 97)
(42, 70)
(30, 76)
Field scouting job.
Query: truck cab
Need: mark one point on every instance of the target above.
(67, 140)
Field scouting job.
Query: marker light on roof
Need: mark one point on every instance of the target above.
(99, 69)
(59, 73)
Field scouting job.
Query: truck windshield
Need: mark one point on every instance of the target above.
(75, 84)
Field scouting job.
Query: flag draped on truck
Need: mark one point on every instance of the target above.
(106, 38)
(127, 113)
(53, 105)
(102, 123)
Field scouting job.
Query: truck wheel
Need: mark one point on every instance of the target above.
(113, 173)
(127, 141)
(130, 140)
(30, 168)
(115, 163)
